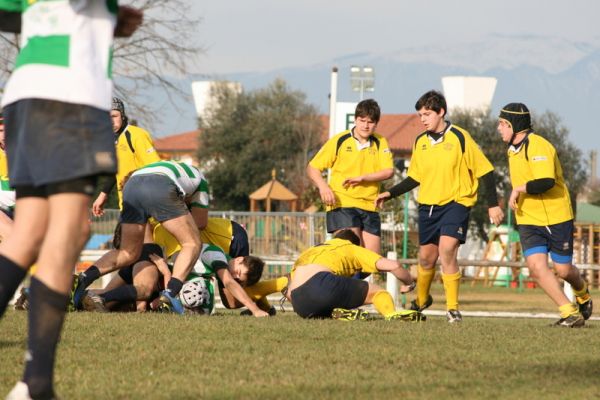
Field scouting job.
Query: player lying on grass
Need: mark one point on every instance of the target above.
(321, 285)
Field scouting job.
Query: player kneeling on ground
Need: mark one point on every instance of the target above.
(321, 285)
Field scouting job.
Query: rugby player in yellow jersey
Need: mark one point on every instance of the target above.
(543, 212)
(134, 150)
(321, 283)
(359, 160)
(446, 164)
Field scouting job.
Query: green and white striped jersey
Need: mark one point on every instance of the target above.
(66, 51)
(188, 179)
(211, 259)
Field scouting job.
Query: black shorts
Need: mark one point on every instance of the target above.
(352, 217)
(51, 141)
(126, 273)
(556, 239)
(146, 196)
(451, 219)
(239, 246)
(323, 292)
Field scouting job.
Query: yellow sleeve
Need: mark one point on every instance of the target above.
(414, 166)
(475, 159)
(386, 159)
(541, 156)
(145, 153)
(326, 156)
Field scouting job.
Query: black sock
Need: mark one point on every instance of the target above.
(174, 286)
(11, 276)
(88, 276)
(46, 315)
(127, 293)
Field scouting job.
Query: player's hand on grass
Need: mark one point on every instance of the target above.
(496, 215)
(381, 199)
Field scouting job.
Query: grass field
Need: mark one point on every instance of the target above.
(225, 356)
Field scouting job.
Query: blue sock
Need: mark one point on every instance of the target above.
(174, 286)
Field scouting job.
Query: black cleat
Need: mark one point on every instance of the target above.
(415, 306)
(572, 321)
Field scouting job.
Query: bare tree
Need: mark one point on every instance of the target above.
(161, 48)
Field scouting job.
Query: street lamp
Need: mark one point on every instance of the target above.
(362, 79)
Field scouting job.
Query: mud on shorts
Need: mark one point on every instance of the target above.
(318, 296)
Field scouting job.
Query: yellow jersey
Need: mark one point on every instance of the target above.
(536, 158)
(348, 158)
(448, 169)
(218, 232)
(129, 160)
(340, 256)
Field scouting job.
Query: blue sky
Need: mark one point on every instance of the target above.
(261, 35)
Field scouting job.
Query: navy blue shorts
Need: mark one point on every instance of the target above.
(352, 217)
(155, 195)
(239, 246)
(49, 141)
(126, 273)
(451, 219)
(323, 292)
(556, 239)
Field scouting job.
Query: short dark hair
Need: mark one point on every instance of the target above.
(368, 108)
(348, 234)
(255, 269)
(432, 100)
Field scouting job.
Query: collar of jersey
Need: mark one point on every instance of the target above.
(516, 149)
(359, 145)
(441, 139)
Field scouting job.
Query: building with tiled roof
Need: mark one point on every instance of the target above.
(399, 129)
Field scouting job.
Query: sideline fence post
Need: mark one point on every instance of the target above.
(391, 283)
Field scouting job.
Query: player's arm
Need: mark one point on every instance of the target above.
(145, 152)
(98, 205)
(10, 21)
(325, 191)
(200, 216)
(402, 274)
(378, 176)
(162, 267)
(238, 292)
(491, 197)
(406, 185)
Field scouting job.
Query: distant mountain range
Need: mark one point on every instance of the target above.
(546, 73)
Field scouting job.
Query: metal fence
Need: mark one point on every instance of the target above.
(277, 235)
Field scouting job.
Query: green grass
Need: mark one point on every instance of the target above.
(225, 356)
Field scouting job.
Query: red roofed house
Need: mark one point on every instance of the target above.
(180, 147)
(399, 129)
